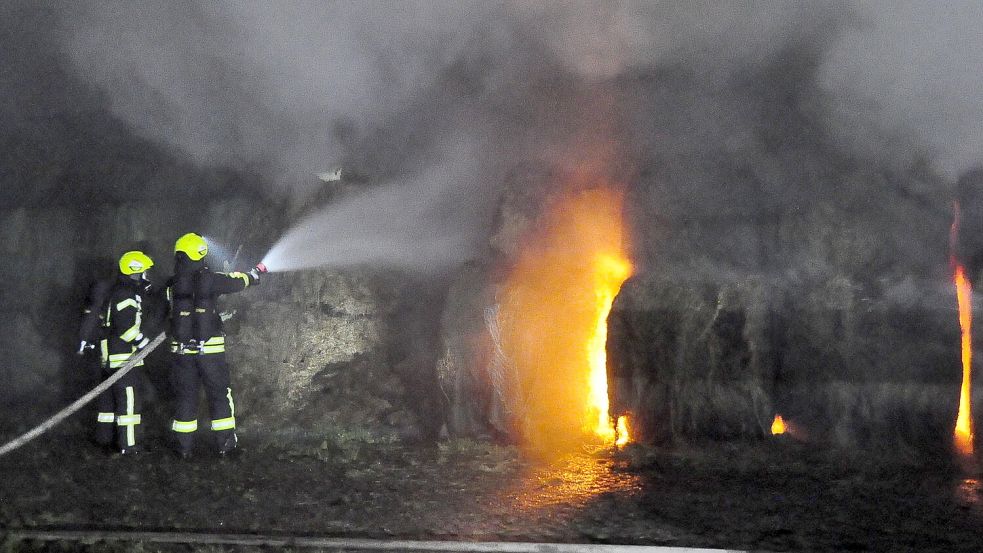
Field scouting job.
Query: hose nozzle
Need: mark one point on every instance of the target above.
(259, 269)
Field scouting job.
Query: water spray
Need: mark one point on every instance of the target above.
(414, 224)
(218, 250)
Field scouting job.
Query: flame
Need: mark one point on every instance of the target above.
(609, 274)
(963, 433)
(623, 432)
(778, 426)
(556, 302)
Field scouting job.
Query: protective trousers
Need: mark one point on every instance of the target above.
(189, 372)
(119, 411)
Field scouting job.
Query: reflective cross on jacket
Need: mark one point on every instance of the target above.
(124, 320)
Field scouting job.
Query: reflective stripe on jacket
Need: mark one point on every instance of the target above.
(124, 323)
(193, 294)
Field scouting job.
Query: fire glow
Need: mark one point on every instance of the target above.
(623, 432)
(963, 432)
(778, 426)
(609, 273)
(964, 420)
(558, 297)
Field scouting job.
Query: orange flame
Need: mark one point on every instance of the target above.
(609, 273)
(963, 433)
(557, 299)
(778, 426)
(623, 432)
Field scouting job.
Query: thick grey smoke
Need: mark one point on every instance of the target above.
(281, 84)
(436, 102)
(914, 66)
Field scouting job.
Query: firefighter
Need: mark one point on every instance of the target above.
(123, 322)
(91, 332)
(198, 343)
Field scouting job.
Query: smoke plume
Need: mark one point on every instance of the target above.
(436, 103)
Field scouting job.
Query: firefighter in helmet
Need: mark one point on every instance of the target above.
(198, 343)
(123, 321)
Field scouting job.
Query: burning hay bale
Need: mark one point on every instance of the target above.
(872, 365)
(846, 363)
(686, 360)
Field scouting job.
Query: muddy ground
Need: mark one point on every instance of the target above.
(774, 495)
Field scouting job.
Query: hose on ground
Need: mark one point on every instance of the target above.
(64, 413)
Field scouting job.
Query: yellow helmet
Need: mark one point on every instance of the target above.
(134, 263)
(193, 245)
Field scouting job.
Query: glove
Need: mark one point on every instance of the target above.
(83, 345)
(142, 343)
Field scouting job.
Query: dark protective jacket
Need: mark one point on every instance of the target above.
(93, 326)
(193, 294)
(124, 322)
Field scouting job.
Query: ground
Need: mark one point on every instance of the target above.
(773, 495)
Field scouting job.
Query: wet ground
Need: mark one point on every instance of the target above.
(775, 495)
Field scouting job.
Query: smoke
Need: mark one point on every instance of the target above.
(254, 83)
(913, 66)
(722, 112)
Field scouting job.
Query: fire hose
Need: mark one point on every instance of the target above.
(64, 413)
